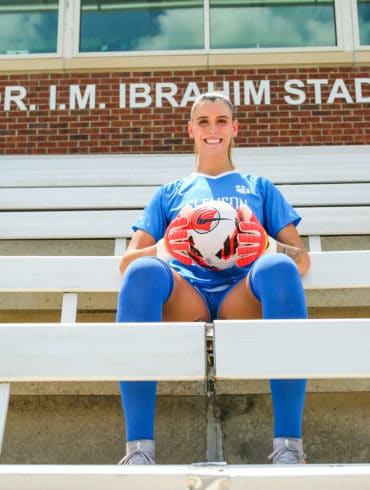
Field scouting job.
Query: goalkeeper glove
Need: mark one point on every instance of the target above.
(175, 242)
(252, 238)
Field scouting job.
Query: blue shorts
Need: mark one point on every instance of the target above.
(213, 297)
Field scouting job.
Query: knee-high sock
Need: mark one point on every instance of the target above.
(146, 286)
(276, 283)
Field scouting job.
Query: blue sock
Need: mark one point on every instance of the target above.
(276, 283)
(146, 286)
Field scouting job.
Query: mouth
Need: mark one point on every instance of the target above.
(213, 141)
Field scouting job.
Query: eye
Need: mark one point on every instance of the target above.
(203, 122)
(223, 120)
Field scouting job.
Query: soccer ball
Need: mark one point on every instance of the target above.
(213, 231)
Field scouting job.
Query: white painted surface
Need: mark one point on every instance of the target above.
(344, 269)
(102, 352)
(172, 477)
(292, 349)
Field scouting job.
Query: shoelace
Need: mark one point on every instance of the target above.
(145, 458)
(288, 455)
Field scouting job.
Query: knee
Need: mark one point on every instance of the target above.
(141, 268)
(146, 286)
(274, 271)
(276, 264)
(276, 283)
(146, 274)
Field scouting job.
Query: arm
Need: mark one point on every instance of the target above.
(290, 236)
(142, 244)
(174, 244)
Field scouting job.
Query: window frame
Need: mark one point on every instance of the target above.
(207, 49)
(356, 29)
(59, 50)
(77, 53)
(68, 36)
(338, 47)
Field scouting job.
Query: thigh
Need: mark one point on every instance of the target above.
(240, 304)
(185, 304)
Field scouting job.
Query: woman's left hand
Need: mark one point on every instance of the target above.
(252, 238)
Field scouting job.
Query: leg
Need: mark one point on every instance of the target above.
(275, 281)
(275, 284)
(150, 287)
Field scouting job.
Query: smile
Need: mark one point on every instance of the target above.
(213, 141)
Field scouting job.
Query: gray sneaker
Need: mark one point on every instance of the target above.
(139, 452)
(287, 450)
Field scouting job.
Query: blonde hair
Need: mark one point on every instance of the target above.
(213, 97)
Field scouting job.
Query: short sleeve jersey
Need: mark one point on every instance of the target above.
(260, 194)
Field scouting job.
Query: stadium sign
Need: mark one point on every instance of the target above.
(141, 95)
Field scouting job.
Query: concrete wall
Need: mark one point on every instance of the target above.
(89, 429)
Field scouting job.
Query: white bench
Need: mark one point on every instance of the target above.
(53, 352)
(90, 197)
(164, 477)
(98, 197)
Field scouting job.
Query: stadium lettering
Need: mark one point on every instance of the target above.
(338, 91)
(141, 94)
(164, 94)
(14, 94)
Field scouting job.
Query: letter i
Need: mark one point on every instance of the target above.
(52, 97)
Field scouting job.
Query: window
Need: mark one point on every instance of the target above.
(137, 25)
(68, 27)
(158, 25)
(272, 24)
(28, 26)
(363, 7)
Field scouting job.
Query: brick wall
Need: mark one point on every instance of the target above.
(319, 106)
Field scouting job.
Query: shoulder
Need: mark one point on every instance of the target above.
(176, 185)
(257, 182)
(253, 177)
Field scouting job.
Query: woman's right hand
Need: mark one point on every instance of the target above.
(176, 238)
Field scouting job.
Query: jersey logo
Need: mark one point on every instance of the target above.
(242, 189)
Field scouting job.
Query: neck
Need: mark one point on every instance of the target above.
(213, 165)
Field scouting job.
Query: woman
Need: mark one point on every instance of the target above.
(160, 281)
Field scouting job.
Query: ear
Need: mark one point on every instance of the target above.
(235, 127)
(191, 129)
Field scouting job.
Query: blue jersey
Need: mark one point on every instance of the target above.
(260, 194)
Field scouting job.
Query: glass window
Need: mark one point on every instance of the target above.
(137, 25)
(363, 7)
(272, 24)
(28, 26)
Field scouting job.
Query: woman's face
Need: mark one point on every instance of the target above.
(212, 126)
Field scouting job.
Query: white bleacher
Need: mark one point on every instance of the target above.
(73, 197)
(192, 477)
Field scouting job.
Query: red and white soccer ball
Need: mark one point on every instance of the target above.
(213, 232)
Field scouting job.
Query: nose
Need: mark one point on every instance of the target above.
(212, 128)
